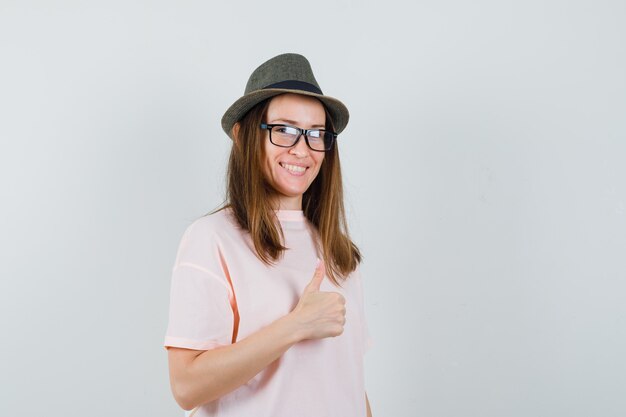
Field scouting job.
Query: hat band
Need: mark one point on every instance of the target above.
(295, 85)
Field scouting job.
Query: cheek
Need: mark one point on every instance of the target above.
(270, 164)
(319, 161)
(268, 160)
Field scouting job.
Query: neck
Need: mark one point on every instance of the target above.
(288, 203)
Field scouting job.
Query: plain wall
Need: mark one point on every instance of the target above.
(484, 173)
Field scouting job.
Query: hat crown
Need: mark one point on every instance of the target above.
(284, 67)
(285, 73)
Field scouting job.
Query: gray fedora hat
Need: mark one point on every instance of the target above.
(285, 73)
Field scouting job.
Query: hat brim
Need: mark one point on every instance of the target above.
(338, 111)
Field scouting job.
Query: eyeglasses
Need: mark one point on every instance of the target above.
(286, 136)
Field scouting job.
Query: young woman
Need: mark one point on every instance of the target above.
(266, 308)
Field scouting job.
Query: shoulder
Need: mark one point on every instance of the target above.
(212, 225)
(205, 234)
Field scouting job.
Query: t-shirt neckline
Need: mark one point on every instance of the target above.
(290, 215)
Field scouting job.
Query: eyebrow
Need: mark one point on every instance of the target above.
(295, 123)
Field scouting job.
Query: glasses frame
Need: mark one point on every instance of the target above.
(301, 132)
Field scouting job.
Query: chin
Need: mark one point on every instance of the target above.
(291, 189)
(291, 192)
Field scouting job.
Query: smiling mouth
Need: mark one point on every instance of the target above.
(293, 168)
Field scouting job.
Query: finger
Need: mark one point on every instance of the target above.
(318, 277)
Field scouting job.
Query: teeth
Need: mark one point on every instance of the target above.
(293, 168)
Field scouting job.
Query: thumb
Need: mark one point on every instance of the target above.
(318, 277)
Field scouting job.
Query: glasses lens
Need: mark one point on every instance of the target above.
(284, 135)
(321, 140)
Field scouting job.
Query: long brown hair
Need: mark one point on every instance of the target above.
(249, 195)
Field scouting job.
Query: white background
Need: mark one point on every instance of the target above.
(485, 175)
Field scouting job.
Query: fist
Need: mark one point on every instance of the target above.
(319, 314)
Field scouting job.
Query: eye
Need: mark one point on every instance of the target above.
(316, 134)
(287, 130)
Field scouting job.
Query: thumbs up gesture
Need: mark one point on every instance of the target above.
(319, 314)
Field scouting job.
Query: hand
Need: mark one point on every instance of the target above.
(319, 314)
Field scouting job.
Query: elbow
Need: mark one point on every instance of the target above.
(187, 399)
(182, 397)
(184, 404)
(186, 407)
(188, 386)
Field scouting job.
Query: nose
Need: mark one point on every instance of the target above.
(300, 149)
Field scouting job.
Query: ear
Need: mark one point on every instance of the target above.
(235, 132)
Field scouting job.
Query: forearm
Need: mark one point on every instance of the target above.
(367, 405)
(219, 371)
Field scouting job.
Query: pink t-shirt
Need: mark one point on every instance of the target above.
(216, 273)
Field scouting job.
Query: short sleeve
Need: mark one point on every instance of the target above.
(200, 311)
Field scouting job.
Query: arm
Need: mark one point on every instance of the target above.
(367, 404)
(198, 377)
(192, 372)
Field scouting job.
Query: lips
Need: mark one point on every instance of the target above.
(294, 168)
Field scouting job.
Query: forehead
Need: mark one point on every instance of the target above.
(304, 110)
